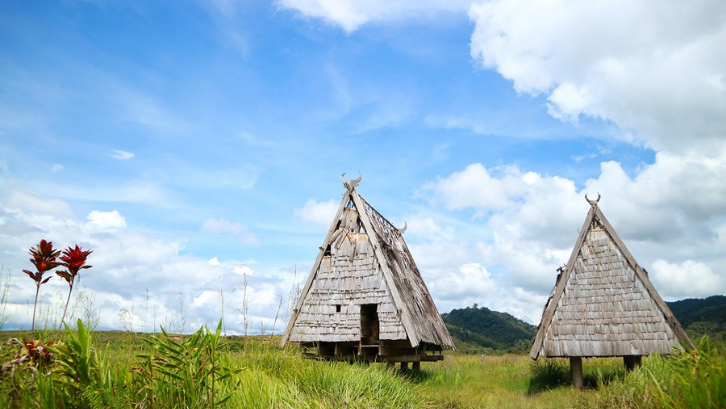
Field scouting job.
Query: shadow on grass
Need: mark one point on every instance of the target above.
(548, 375)
(552, 374)
(421, 376)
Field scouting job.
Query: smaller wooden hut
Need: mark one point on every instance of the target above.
(604, 305)
(365, 299)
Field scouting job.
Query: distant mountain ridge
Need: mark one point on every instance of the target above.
(700, 316)
(481, 330)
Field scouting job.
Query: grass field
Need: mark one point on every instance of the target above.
(127, 370)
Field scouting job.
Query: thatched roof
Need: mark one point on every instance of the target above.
(603, 303)
(364, 260)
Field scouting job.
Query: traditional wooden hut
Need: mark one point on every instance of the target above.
(604, 305)
(365, 298)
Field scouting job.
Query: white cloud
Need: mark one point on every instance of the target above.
(321, 213)
(17, 200)
(351, 15)
(143, 273)
(106, 220)
(652, 66)
(471, 281)
(244, 270)
(531, 228)
(687, 279)
(475, 187)
(205, 297)
(121, 155)
(56, 167)
(239, 231)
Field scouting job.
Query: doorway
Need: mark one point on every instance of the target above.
(369, 326)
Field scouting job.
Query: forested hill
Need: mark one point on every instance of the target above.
(702, 315)
(478, 329)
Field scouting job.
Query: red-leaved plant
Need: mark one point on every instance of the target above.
(74, 260)
(44, 260)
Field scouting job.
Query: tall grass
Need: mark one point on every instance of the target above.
(692, 379)
(90, 370)
(201, 370)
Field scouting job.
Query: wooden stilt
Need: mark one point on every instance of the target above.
(631, 361)
(404, 366)
(576, 370)
(416, 367)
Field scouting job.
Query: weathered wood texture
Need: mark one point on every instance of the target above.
(604, 304)
(349, 277)
(576, 372)
(418, 310)
(364, 260)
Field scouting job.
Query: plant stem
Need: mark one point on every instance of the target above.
(64, 311)
(35, 306)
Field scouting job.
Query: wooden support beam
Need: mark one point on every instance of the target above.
(404, 366)
(576, 370)
(631, 361)
(414, 358)
(416, 367)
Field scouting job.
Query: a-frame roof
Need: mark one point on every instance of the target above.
(411, 301)
(604, 303)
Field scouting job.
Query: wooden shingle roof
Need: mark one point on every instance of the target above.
(364, 260)
(604, 303)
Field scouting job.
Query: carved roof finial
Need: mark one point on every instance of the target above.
(351, 183)
(593, 202)
(403, 229)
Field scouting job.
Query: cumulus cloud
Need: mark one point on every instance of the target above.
(57, 167)
(239, 231)
(351, 14)
(321, 213)
(475, 187)
(244, 270)
(531, 228)
(18, 200)
(121, 155)
(139, 280)
(472, 280)
(654, 66)
(106, 220)
(687, 279)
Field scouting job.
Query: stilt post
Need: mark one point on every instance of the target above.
(576, 370)
(631, 361)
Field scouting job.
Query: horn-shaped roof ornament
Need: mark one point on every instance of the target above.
(403, 229)
(351, 183)
(593, 202)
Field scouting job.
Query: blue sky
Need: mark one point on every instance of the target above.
(193, 144)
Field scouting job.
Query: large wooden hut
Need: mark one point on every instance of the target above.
(604, 305)
(365, 298)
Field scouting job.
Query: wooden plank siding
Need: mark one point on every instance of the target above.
(349, 282)
(604, 304)
(364, 260)
(418, 310)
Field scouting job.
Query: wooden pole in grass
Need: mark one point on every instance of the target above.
(576, 370)
(631, 361)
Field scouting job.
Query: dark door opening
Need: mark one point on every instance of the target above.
(369, 327)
